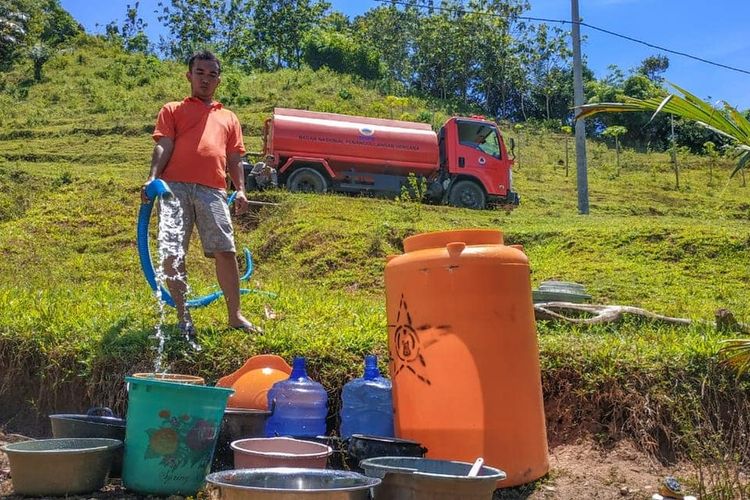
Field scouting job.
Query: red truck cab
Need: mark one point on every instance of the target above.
(474, 156)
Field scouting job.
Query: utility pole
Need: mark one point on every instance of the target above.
(674, 156)
(582, 177)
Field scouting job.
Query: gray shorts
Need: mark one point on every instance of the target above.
(207, 209)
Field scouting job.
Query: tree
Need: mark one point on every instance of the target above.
(281, 24)
(653, 68)
(391, 32)
(548, 67)
(709, 149)
(657, 134)
(437, 52)
(131, 36)
(13, 31)
(34, 28)
(502, 83)
(48, 22)
(39, 54)
(192, 25)
(342, 54)
(616, 131)
(336, 21)
(238, 37)
(134, 31)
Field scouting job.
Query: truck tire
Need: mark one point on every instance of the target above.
(467, 194)
(306, 180)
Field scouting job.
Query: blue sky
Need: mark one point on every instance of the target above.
(716, 31)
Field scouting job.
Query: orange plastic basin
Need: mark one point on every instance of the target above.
(252, 381)
(464, 354)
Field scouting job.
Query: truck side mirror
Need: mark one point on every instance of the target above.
(512, 142)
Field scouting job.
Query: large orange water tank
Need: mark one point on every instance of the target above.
(464, 353)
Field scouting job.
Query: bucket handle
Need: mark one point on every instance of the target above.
(99, 411)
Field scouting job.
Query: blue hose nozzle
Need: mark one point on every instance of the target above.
(158, 187)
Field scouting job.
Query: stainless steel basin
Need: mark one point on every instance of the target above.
(284, 483)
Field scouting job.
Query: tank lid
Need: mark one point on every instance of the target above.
(442, 238)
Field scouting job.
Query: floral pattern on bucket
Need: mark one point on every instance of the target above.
(181, 440)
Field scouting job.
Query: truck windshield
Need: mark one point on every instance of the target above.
(480, 136)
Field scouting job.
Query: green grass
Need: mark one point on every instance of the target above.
(77, 315)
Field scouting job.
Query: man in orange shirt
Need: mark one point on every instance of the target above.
(197, 143)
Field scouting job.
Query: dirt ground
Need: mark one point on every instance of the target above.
(584, 470)
(577, 471)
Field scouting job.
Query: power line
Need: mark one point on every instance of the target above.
(580, 23)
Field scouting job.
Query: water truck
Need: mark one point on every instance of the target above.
(465, 164)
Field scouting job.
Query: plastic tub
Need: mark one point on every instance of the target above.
(408, 478)
(280, 452)
(58, 467)
(170, 435)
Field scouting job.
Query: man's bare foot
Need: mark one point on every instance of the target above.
(240, 322)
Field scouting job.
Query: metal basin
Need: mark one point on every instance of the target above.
(59, 467)
(290, 484)
(96, 423)
(408, 478)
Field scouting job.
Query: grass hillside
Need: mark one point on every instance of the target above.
(77, 315)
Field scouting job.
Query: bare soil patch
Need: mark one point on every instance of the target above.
(580, 470)
(586, 470)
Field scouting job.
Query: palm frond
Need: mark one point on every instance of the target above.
(736, 353)
(743, 159)
(661, 106)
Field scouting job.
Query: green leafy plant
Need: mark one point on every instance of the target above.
(616, 131)
(411, 196)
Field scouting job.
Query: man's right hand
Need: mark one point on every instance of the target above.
(145, 199)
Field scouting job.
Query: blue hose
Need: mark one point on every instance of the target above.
(155, 189)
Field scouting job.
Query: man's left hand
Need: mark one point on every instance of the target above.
(240, 203)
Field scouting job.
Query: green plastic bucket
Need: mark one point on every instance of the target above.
(170, 435)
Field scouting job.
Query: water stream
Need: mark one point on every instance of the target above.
(170, 246)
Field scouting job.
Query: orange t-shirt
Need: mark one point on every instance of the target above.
(203, 137)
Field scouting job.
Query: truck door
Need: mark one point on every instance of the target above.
(481, 154)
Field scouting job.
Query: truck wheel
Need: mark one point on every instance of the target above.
(306, 180)
(467, 194)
